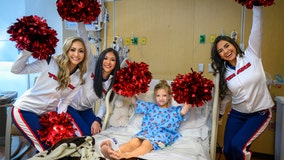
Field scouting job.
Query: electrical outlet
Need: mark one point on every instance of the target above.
(200, 67)
(212, 38)
(143, 40)
(210, 69)
(127, 41)
(202, 38)
(135, 41)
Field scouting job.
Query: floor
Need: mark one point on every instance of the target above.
(18, 143)
(32, 151)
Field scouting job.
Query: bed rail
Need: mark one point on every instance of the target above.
(215, 117)
(106, 117)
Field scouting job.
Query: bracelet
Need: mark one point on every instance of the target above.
(98, 119)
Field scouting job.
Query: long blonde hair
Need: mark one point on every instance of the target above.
(63, 75)
(163, 85)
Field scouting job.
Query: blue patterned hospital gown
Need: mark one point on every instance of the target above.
(159, 125)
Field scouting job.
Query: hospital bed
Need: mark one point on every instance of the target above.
(199, 131)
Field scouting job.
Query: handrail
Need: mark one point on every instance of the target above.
(104, 125)
(215, 117)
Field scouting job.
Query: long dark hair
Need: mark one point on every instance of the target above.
(218, 64)
(98, 79)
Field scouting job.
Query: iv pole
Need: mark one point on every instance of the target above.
(242, 45)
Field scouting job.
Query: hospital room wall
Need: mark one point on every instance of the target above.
(173, 28)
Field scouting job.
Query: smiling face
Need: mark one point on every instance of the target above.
(76, 54)
(162, 98)
(109, 63)
(227, 51)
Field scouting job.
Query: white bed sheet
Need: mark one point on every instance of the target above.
(193, 145)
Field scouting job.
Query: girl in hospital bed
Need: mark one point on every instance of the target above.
(159, 126)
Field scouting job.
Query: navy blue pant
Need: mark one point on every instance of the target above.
(241, 130)
(28, 123)
(83, 120)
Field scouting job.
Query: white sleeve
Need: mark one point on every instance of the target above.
(83, 34)
(20, 66)
(255, 38)
(223, 104)
(102, 109)
(64, 102)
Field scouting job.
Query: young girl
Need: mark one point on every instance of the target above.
(99, 80)
(60, 79)
(159, 126)
(251, 100)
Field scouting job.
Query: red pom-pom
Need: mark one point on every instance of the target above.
(133, 79)
(250, 3)
(55, 127)
(33, 34)
(192, 88)
(78, 10)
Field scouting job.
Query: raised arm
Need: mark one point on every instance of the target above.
(185, 108)
(255, 38)
(83, 34)
(133, 100)
(21, 65)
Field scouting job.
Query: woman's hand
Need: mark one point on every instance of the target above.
(95, 128)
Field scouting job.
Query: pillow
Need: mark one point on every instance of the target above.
(148, 96)
(121, 112)
(197, 117)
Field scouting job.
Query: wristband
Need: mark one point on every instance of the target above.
(98, 119)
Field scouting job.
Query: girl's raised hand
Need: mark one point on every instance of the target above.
(185, 108)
